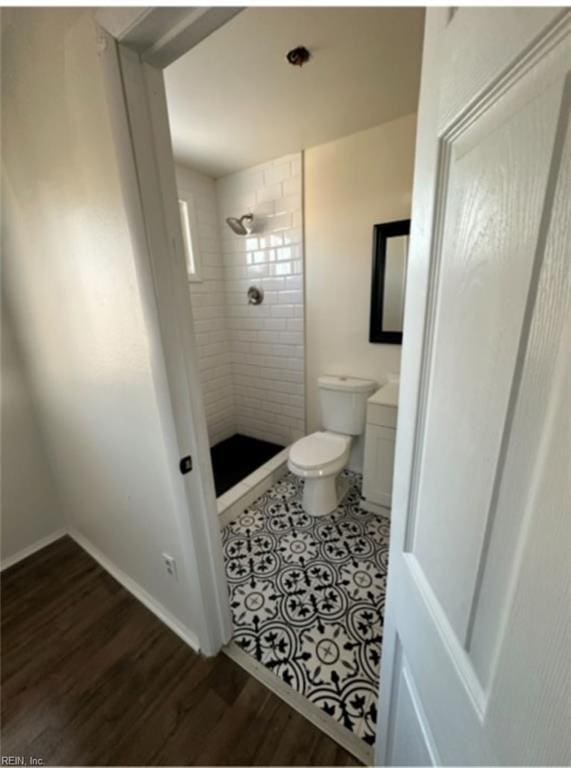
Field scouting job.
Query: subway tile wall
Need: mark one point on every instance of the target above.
(208, 308)
(266, 341)
(251, 357)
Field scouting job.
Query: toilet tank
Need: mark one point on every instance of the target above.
(343, 401)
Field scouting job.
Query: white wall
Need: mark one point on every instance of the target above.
(208, 307)
(350, 185)
(31, 507)
(83, 311)
(267, 340)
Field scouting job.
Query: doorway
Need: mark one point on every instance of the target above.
(258, 366)
(265, 176)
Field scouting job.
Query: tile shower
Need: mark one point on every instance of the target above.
(251, 357)
(267, 341)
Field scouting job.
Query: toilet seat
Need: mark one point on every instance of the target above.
(319, 454)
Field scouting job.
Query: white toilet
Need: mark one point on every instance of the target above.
(320, 457)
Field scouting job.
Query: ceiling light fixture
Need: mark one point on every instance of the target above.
(299, 56)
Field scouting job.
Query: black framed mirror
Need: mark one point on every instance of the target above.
(390, 256)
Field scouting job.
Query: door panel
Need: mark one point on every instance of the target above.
(480, 46)
(477, 626)
(552, 307)
(496, 184)
(529, 701)
(411, 744)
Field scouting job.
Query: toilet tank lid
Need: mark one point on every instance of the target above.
(347, 383)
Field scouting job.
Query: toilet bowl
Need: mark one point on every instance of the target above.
(320, 457)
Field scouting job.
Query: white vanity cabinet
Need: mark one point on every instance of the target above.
(380, 436)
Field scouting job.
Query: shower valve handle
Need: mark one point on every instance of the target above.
(255, 295)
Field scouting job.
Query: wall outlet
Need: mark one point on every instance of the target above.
(170, 565)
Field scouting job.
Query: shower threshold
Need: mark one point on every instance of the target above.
(238, 498)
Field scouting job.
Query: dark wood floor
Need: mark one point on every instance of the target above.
(91, 677)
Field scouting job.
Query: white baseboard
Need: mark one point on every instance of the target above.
(137, 591)
(379, 509)
(32, 549)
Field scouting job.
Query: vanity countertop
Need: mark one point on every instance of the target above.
(388, 394)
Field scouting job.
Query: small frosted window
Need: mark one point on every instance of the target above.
(188, 224)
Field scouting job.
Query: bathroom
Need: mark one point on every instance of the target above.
(299, 362)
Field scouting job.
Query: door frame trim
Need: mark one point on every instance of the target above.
(135, 45)
(416, 334)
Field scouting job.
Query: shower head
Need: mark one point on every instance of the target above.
(243, 225)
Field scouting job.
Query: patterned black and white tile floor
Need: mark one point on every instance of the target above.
(308, 595)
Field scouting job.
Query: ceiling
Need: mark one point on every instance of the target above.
(235, 102)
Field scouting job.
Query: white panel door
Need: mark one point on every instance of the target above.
(476, 649)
